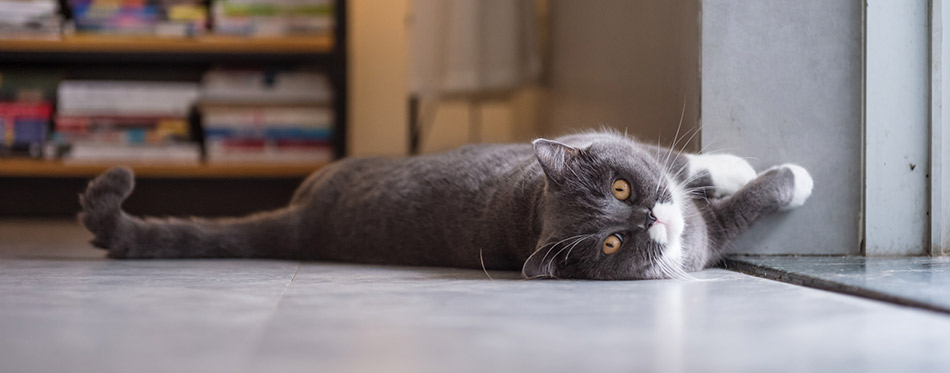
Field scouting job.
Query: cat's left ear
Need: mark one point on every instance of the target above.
(555, 157)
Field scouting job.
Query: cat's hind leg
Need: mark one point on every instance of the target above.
(778, 188)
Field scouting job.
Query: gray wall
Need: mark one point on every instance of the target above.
(897, 128)
(625, 64)
(781, 82)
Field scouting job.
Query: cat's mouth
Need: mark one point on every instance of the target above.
(668, 225)
(667, 231)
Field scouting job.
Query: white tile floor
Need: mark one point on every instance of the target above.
(65, 308)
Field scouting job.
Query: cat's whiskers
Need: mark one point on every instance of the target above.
(676, 138)
(685, 183)
(695, 131)
(568, 255)
(659, 146)
(551, 247)
(668, 163)
(554, 257)
(672, 270)
(573, 245)
(482, 260)
(685, 165)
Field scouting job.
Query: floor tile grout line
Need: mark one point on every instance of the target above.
(775, 274)
(270, 318)
(283, 292)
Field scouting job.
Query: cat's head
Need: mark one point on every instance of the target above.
(610, 211)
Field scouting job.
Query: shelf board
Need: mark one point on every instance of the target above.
(150, 44)
(52, 169)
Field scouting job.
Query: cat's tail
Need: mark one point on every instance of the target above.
(272, 234)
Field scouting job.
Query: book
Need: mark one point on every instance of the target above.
(136, 98)
(134, 121)
(264, 151)
(119, 130)
(30, 19)
(266, 116)
(272, 18)
(255, 116)
(175, 18)
(248, 87)
(93, 152)
(24, 127)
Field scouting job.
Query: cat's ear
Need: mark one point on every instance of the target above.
(555, 157)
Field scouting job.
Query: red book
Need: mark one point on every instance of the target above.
(34, 110)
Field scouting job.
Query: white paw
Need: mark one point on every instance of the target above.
(729, 173)
(803, 184)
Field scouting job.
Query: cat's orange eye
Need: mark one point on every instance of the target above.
(621, 189)
(612, 244)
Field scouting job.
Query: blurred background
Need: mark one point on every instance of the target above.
(616, 64)
(223, 106)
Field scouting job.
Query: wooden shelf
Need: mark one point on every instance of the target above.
(150, 44)
(51, 169)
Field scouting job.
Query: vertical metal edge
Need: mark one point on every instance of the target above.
(862, 215)
(938, 210)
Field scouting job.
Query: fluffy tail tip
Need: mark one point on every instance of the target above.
(102, 201)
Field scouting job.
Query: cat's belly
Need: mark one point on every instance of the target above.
(391, 212)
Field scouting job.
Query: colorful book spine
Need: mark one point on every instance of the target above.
(125, 120)
(23, 127)
(30, 19)
(260, 116)
(273, 17)
(140, 17)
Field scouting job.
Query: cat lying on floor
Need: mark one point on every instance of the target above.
(595, 206)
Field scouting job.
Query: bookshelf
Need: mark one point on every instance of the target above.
(107, 57)
(204, 44)
(133, 56)
(53, 169)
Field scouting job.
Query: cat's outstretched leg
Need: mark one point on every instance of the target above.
(718, 175)
(266, 235)
(778, 188)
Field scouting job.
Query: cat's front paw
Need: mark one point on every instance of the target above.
(803, 184)
(727, 173)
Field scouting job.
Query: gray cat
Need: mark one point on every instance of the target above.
(595, 206)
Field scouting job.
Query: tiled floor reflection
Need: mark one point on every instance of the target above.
(64, 308)
(917, 281)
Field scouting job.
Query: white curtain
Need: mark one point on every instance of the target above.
(472, 47)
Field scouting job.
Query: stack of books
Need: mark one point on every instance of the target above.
(272, 18)
(24, 126)
(127, 121)
(26, 106)
(30, 19)
(140, 17)
(247, 120)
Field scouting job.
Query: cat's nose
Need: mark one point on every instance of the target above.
(650, 219)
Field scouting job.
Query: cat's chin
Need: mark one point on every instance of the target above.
(667, 231)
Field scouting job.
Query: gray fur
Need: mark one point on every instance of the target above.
(544, 209)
